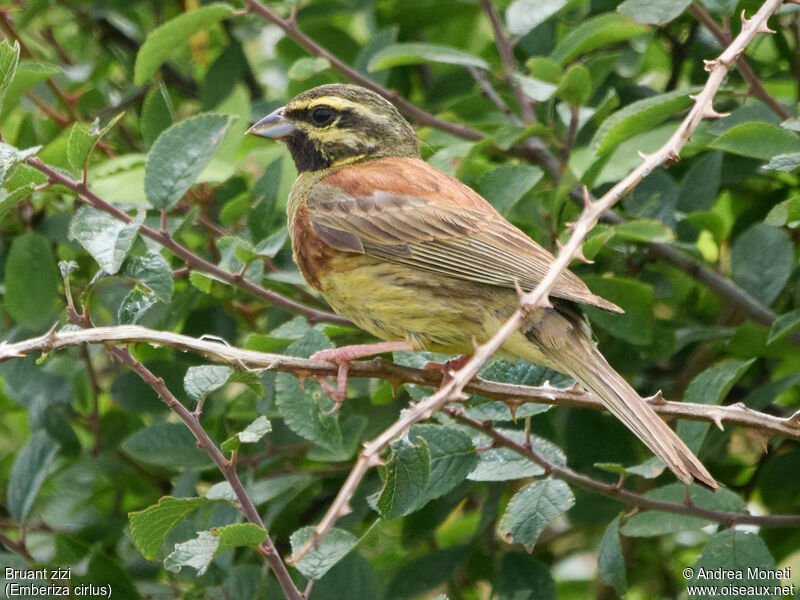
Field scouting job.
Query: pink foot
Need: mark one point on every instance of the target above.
(447, 368)
(342, 357)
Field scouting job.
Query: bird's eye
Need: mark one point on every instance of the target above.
(322, 115)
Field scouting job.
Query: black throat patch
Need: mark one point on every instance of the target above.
(305, 154)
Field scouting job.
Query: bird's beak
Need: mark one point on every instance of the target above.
(274, 126)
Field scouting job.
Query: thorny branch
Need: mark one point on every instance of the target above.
(537, 298)
(533, 150)
(511, 394)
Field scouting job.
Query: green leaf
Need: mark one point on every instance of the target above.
(656, 12)
(270, 246)
(733, 551)
(79, 142)
(709, 387)
(250, 435)
(10, 157)
(575, 87)
(524, 15)
(31, 281)
(643, 230)
(783, 162)
(602, 30)
(762, 261)
(784, 325)
(422, 574)
(199, 552)
(150, 527)
(533, 508)
(28, 74)
(157, 113)
(711, 221)
(597, 238)
(9, 200)
(521, 577)
(414, 53)
(179, 155)
(725, 7)
(635, 325)
(408, 471)
(503, 464)
(9, 58)
(166, 445)
(452, 457)
(105, 237)
(639, 116)
(786, 213)
(201, 381)
(701, 183)
(756, 139)
(504, 186)
(653, 523)
(166, 40)
(610, 562)
(135, 306)
(153, 271)
(318, 561)
(28, 473)
(536, 89)
(308, 66)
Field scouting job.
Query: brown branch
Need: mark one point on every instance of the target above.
(191, 259)
(207, 445)
(614, 491)
(747, 73)
(491, 94)
(512, 395)
(509, 62)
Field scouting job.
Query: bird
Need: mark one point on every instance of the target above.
(423, 262)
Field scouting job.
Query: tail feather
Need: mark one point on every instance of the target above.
(623, 402)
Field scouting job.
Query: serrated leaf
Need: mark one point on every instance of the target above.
(166, 445)
(784, 325)
(638, 117)
(408, 471)
(9, 200)
(249, 435)
(709, 387)
(414, 53)
(28, 473)
(503, 464)
(179, 155)
(635, 325)
(504, 186)
(524, 15)
(610, 562)
(106, 238)
(643, 230)
(604, 29)
(31, 281)
(270, 246)
(28, 74)
(150, 527)
(79, 142)
(157, 113)
(762, 260)
(10, 157)
(199, 552)
(655, 12)
(166, 40)
(737, 552)
(153, 271)
(533, 508)
(201, 381)
(756, 139)
(9, 58)
(135, 306)
(783, 162)
(786, 213)
(452, 457)
(318, 561)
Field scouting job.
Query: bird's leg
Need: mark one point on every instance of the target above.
(342, 357)
(448, 367)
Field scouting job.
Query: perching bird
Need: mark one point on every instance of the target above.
(417, 258)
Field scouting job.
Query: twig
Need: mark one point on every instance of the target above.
(191, 259)
(613, 490)
(724, 38)
(509, 62)
(226, 467)
(511, 394)
(453, 389)
(489, 92)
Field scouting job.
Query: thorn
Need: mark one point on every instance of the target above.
(587, 197)
(579, 255)
(345, 510)
(642, 155)
(395, 385)
(375, 461)
(794, 419)
(743, 18)
(513, 409)
(517, 287)
(672, 158)
(710, 65)
(710, 113)
(657, 398)
(574, 388)
(717, 418)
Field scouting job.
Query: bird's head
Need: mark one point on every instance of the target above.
(337, 124)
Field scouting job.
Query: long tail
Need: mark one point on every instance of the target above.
(577, 356)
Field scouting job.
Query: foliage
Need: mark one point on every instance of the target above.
(158, 211)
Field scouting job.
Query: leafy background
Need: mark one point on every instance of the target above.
(147, 102)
